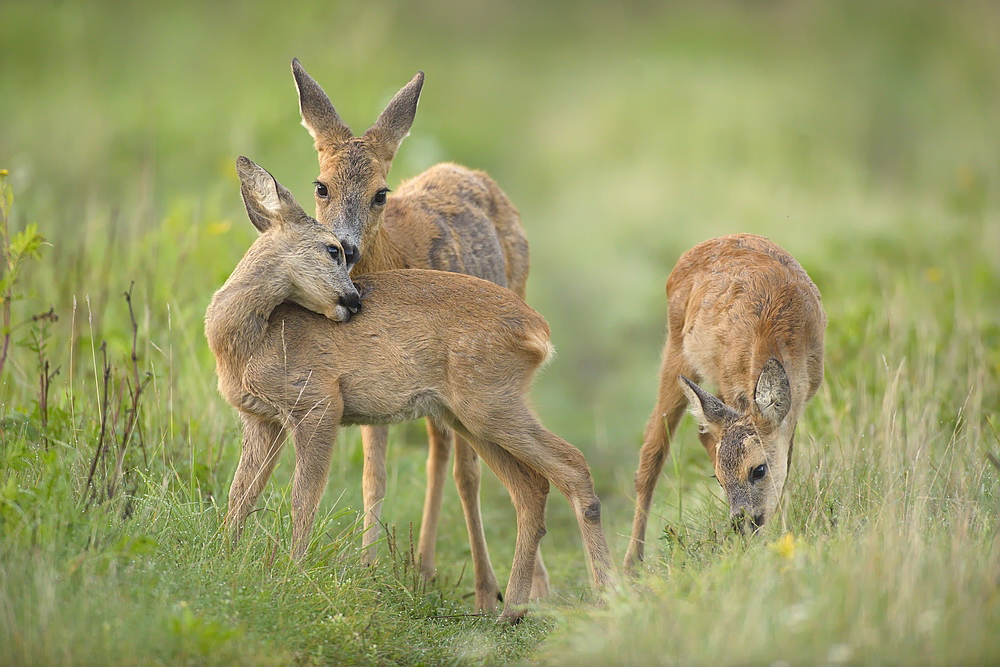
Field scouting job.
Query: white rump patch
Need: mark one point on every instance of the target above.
(546, 350)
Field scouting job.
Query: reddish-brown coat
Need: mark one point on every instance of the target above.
(745, 318)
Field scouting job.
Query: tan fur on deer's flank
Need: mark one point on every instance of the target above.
(743, 317)
(426, 343)
(448, 218)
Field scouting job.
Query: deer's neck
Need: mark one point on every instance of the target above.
(237, 317)
(384, 254)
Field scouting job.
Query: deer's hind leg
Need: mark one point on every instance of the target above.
(540, 579)
(564, 465)
(262, 443)
(528, 491)
(517, 430)
(467, 476)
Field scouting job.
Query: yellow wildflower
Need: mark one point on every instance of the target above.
(784, 547)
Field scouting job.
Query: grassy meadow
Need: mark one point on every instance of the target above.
(863, 137)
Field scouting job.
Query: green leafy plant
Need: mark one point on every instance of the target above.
(17, 248)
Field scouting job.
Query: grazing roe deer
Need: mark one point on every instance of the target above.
(448, 218)
(743, 316)
(427, 343)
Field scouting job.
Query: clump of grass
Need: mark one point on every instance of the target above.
(166, 584)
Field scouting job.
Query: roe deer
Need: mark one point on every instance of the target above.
(743, 316)
(426, 343)
(449, 218)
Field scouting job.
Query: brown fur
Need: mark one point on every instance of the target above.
(426, 343)
(743, 317)
(448, 218)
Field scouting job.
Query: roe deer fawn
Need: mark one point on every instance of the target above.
(426, 343)
(449, 218)
(743, 316)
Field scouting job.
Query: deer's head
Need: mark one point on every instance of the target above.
(351, 189)
(310, 260)
(753, 448)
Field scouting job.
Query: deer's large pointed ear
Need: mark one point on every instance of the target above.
(773, 395)
(318, 115)
(268, 202)
(394, 123)
(711, 414)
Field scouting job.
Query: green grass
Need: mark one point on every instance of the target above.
(859, 136)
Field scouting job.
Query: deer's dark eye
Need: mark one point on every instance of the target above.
(758, 473)
(334, 253)
(321, 190)
(379, 198)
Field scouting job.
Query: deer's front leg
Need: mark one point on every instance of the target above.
(439, 439)
(315, 432)
(467, 475)
(262, 443)
(374, 442)
(670, 403)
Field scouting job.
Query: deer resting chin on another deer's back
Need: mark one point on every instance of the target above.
(454, 347)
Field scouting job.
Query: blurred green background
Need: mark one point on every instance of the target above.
(862, 136)
(624, 132)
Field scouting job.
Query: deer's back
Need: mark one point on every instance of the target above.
(422, 338)
(738, 300)
(451, 218)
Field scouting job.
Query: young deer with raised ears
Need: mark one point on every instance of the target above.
(426, 343)
(448, 218)
(744, 317)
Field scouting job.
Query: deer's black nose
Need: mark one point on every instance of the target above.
(351, 254)
(738, 520)
(351, 301)
(744, 522)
